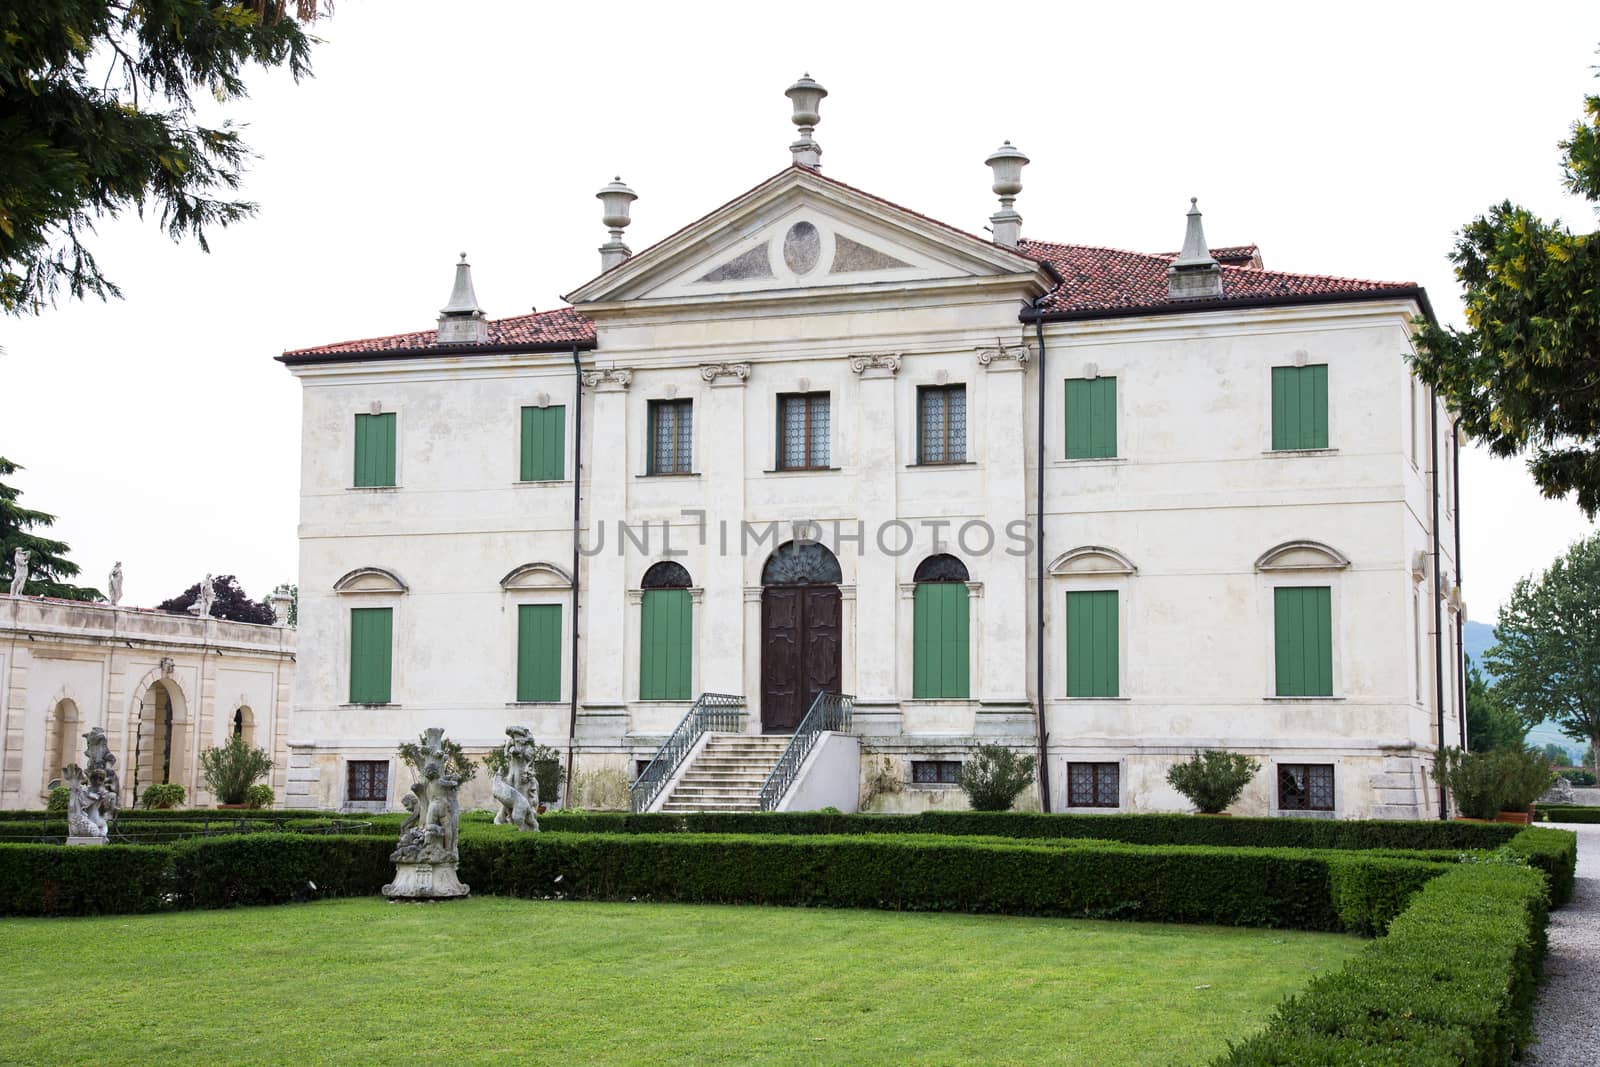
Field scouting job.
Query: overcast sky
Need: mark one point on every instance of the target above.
(1353, 139)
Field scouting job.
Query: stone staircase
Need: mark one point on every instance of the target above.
(727, 774)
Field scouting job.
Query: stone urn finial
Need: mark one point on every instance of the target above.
(615, 200)
(1007, 162)
(806, 95)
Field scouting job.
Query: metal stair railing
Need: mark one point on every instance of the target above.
(830, 711)
(712, 712)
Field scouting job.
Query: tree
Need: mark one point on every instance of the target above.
(96, 118)
(1524, 377)
(1556, 754)
(48, 568)
(1490, 724)
(1547, 655)
(232, 602)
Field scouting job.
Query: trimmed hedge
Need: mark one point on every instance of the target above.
(184, 814)
(1555, 853)
(1453, 983)
(86, 880)
(226, 872)
(1237, 832)
(1568, 813)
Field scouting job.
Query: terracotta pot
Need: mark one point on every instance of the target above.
(1216, 814)
(1465, 818)
(1521, 818)
(233, 807)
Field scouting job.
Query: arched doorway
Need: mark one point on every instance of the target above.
(800, 632)
(158, 754)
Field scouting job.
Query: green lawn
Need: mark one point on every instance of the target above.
(364, 981)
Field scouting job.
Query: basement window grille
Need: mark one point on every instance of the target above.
(935, 772)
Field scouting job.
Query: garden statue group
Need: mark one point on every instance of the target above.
(91, 792)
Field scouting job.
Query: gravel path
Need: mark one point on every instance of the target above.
(1567, 1018)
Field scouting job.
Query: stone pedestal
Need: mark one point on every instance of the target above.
(86, 840)
(426, 881)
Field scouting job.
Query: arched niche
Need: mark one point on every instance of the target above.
(370, 580)
(1302, 556)
(61, 738)
(243, 724)
(537, 575)
(1095, 560)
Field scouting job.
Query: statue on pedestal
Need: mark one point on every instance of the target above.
(514, 786)
(114, 584)
(92, 792)
(426, 857)
(19, 570)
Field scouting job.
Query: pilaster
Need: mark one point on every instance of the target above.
(875, 607)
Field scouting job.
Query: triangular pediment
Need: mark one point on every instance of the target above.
(799, 231)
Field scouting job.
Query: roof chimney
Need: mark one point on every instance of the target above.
(807, 97)
(1007, 163)
(614, 201)
(461, 322)
(1194, 275)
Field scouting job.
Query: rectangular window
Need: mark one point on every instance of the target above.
(1300, 407)
(803, 431)
(1094, 785)
(544, 444)
(375, 449)
(935, 771)
(1092, 644)
(940, 657)
(538, 652)
(371, 654)
(665, 645)
(942, 424)
(1303, 619)
(671, 436)
(367, 780)
(1305, 787)
(1091, 416)
(639, 766)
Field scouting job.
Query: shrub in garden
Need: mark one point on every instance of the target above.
(58, 799)
(1213, 779)
(258, 796)
(162, 795)
(1581, 779)
(457, 764)
(232, 768)
(1487, 783)
(994, 776)
(547, 772)
(1525, 775)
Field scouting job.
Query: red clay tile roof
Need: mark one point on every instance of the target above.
(561, 326)
(1111, 280)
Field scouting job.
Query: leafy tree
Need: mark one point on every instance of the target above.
(96, 118)
(1547, 656)
(48, 568)
(1554, 753)
(232, 602)
(1490, 724)
(1524, 377)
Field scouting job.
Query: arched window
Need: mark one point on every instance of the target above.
(941, 652)
(801, 563)
(666, 633)
(244, 724)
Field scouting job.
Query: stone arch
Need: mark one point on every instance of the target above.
(536, 575)
(801, 563)
(62, 728)
(666, 574)
(158, 750)
(242, 723)
(941, 567)
(1303, 555)
(1092, 559)
(371, 580)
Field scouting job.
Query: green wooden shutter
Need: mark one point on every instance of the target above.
(1091, 417)
(1300, 407)
(665, 645)
(375, 449)
(941, 654)
(544, 442)
(1303, 621)
(1092, 643)
(539, 652)
(371, 654)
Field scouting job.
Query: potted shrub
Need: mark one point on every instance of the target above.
(231, 769)
(1524, 777)
(994, 776)
(258, 796)
(1473, 780)
(1213, 779)
(162, 795)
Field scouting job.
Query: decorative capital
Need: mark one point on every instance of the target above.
(1003, 357)
(725, 373)
(887, 363)
(608, 380)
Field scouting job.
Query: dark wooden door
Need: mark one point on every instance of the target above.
(800, 643)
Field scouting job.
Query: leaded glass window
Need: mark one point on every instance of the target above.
(1093, 785)
(671, 436)
(368, 780)
(942, 424)
(1305, 787)
(936, 772)
(803, 431)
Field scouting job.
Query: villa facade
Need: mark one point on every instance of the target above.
(1103, 506)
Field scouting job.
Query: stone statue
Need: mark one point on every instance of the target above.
(426, 857)
(516, 789)
(19, 570)
(114, 584)
(1560, 792)
(92, 793)
(208, 596)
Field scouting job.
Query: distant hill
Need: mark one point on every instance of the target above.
(1476, 637)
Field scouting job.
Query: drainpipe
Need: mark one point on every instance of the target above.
(1461, 656)
(1438, 586)
(577, 532)
(1038, 563)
